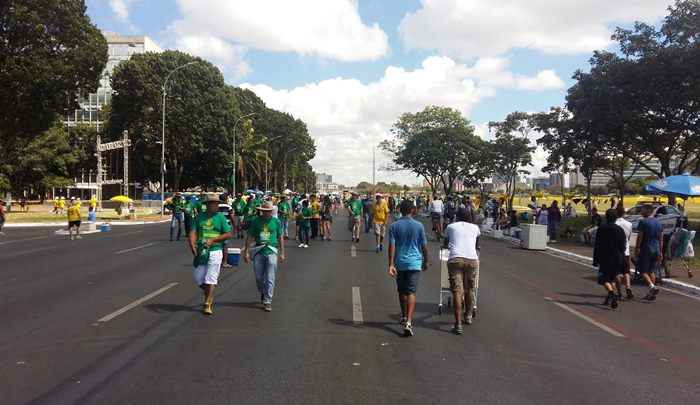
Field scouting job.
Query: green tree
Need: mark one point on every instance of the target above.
(199, 117)
(436, 143)
(511, 150)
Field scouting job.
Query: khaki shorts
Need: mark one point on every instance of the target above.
(379, 229)
(461, 269)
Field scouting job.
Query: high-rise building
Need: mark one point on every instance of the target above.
(119, 48)
(325, 185)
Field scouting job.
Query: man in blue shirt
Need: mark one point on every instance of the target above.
(648, 249)
(408, 256)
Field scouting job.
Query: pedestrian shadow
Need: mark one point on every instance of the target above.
(251, 305)
(581, 295)
(385, 326)
(163, 308)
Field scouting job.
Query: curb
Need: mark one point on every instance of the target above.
(63, 224)
(587, 262)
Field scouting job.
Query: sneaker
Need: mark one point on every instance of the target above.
(608, 298)
(403, 320)
(468, 319)
(650, 295)
(301, 245)
(407, 329)
(207, 309)
(458, 330)
(654, 293)
(71, 237)
(306, 246)
(78, 237)
(377, 249)
(268, 307)
(381, 247)
(629, 294)
(613, 303)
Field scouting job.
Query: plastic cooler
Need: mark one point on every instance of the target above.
(234, 256)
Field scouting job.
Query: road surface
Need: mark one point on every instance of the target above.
(115, 319)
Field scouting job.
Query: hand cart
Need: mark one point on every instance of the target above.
(446, 290)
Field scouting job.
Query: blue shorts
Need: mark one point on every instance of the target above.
(407, 281)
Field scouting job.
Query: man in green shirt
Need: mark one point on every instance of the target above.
(266, 231)
(206, 239)
(284, 211)
(192, 209)
(177, 208)
(355, 212)
(239, 206)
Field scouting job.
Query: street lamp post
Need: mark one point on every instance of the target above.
(162, 140)
(233, 174)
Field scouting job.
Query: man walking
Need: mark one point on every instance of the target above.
(367, 212)
(74, 219)
(624, 278)
(408, 256)
(206, 239)
(177, 207)
(436, 209)
(284, 211)
(462, 239)
(266, 231)
(380, 212)
(648, 249)
(355, 212)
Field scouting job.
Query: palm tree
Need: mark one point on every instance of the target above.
(252, 154)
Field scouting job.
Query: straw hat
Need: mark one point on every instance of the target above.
(267, 206)
(212, 197)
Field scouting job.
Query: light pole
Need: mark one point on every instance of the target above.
(162, 140)
(233, 174)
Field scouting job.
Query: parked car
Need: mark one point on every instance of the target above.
(668, 215)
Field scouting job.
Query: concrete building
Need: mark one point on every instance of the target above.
(540, 183)
(325, 185)
(119, 48)
(601, 179)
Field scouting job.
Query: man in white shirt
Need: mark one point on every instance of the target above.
(436, 210)
(625, 272)
(462, 239)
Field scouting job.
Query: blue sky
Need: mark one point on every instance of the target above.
(349, 68)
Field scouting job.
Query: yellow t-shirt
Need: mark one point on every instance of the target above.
(379, 212)
(316, 209)
(61, 204)
(93, 202)
(74, 213)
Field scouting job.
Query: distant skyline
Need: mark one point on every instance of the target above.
(349, 68)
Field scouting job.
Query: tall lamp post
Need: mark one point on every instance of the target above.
(162, 140)
(233, 173)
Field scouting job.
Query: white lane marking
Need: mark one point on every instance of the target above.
(134, 248)
(356, 306)
(136, 303)
(23, 240)
(586, 318)
(694, 297)
(353, 251)
(26, 252)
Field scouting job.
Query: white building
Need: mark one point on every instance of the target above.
(325, 185)
(119, 48)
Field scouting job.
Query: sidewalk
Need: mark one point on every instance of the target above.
(583, 254)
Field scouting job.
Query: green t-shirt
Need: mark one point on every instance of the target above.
(239, 207)
(251, 209)
(356, 207)
(295, 202)
(210, 226)
(284, 209)
(266, 231)
(306, 214)
(194, 207)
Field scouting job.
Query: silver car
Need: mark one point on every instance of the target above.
(668, 215)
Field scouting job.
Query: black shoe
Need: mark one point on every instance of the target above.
(629, 294)
(613, 303)
(608, 299)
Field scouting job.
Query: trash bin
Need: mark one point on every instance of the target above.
(234, 256)
(534, 237)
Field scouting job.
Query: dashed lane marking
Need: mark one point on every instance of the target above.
(135, 248)
(136, 303)
(356, 306)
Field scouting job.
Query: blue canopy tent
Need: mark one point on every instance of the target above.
(683, 185)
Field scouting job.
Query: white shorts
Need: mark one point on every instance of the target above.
(209, 273)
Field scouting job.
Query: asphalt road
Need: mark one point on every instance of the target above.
(541, 336)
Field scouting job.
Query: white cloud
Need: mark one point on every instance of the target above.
(478, 28)
(121, 8)
(229, 58)
(329, 29)
(346, 117)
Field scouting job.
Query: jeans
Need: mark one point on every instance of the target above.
(176, 221)
(314, 227)
(368, 222)
(285, 226)
(304, 234)
(265, 268)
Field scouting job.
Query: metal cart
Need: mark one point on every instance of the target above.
(445, 289)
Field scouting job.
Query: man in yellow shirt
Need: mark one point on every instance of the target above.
(380, 212)
(74, 218)
(316, 217)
